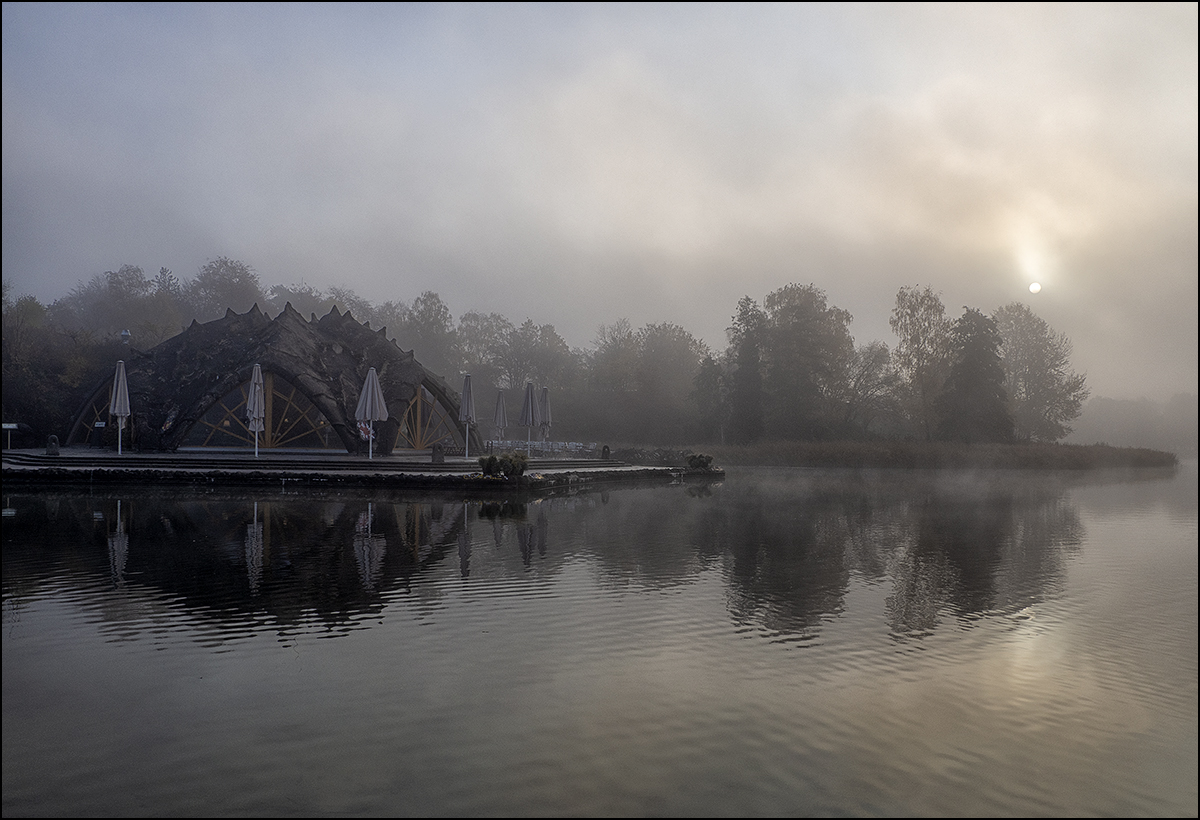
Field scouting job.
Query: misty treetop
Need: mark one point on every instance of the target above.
(973, 404)
(790, 370)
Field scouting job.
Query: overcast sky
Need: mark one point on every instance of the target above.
(578, 164)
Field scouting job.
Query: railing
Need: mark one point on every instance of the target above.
(542, 449)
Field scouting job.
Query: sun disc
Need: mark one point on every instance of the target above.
(1035, 287)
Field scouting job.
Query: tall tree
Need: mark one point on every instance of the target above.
(358, 307)
(481, 339)
(1044, 394)
(112, 302)
(613, 364)
(710, 393)
(167, 283)
(536, 353)
(746, 379)
(807, 350)
(870, 388)
(303, 297)
(427, 328)
(668, 360)
(973, 406)
(922, 353)
(224, 284)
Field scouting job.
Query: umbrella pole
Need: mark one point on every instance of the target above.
(120, 428)
(256, 444)
(467, 442)
(371, 441)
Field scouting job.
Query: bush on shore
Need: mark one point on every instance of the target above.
(509, 465)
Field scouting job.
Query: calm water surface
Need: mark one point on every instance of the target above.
(787, 642)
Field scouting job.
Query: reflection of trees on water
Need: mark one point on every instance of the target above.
(973, 550)
(787, 545)
(785, 555)
(948, 545)
(529, 524)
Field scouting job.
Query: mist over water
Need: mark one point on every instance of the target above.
(785, 642)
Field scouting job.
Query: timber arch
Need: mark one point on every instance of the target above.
(190, 390)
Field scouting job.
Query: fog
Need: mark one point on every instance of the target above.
(578, 164)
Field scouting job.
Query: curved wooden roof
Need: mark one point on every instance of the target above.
(174, 384)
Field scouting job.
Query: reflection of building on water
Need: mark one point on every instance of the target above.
(291, 557)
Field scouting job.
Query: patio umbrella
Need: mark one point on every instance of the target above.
(119, 406)
(501, 417)
(466, 412)
(371, 408)
(544, 409)
(530, 414)
(256, 406)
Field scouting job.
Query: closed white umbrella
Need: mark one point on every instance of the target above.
(501, 417)
(530, 413)
(371, 408)
(119, 406)
(256, 406)
(466, 412)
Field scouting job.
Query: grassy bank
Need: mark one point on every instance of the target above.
(918, 454)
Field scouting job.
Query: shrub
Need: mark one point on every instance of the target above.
(512, 465)
(699, 461)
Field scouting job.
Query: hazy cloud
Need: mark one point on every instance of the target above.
(576, 164)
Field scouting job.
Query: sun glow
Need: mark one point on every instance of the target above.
(1033, 260)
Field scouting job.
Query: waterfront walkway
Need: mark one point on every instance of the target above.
(411, 468)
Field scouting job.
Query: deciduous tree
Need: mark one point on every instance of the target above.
(922, 353)
(224, 284)
(807, 351)
(973, 406)
(871, 388)
(711, 395)
(1044, 394)
(668, 358)
(746, 397)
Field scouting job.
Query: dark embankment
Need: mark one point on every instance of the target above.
(938, 455)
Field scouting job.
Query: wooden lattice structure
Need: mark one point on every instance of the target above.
(191, 390)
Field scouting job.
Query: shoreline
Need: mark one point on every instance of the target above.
(937, 455)
(86, 467)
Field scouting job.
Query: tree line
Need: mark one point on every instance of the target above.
(790, 370)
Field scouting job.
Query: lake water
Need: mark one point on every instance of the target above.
(786, 642)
